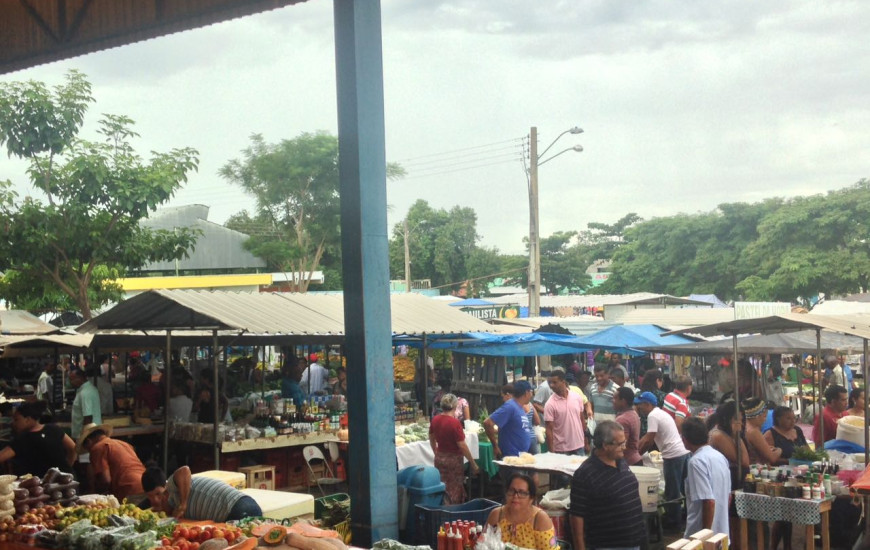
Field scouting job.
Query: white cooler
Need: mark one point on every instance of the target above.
(282, 505)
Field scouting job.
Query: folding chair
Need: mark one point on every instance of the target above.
(314, 454)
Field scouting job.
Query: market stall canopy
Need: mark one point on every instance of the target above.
(32, 33)
(787, 322)
(265, 318)
(510, 345)
(786, 342)
(39, 345)
(17, 321)
(469, 302)
(631, 339)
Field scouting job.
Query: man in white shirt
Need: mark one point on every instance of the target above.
(662, 430)
(314, 377)
(45, 383)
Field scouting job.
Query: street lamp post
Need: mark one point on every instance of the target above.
(534, 227)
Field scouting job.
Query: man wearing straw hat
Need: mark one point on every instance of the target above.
(114, 466)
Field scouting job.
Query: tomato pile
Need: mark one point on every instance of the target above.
(189, 537)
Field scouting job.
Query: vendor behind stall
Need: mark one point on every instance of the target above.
(37, 447)
(196, 498)
(114, 466)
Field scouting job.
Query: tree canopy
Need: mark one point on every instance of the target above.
(67, 250)
(296, 226)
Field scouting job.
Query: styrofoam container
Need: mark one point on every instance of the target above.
(648, 486)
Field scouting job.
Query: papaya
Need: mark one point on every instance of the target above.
(275, 536)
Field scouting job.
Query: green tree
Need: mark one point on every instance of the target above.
(296, 225)
(441, 245)
(563, 265)
(603, 239)
(69, 249)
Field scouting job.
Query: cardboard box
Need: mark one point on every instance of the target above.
(702, 535)
(678, 544)
(694, 544)
(719, 541)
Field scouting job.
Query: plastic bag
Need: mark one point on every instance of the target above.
(541, 434)
(557, 499)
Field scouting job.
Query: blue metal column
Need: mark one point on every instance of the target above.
(365, 268)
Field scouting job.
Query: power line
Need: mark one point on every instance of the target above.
(414, 159)
(460, 169)
(482, 277)
(469, 162)
(472, 154)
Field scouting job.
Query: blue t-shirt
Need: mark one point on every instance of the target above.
(513, 431)
(768, 422)
(847, 370)
(290, 389)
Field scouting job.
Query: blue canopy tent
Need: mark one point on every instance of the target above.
(504, 345)
(630, 339)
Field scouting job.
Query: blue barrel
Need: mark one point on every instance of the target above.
(417, 485)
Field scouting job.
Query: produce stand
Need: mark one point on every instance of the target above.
(765, 508)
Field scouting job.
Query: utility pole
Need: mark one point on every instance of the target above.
(407, 259)
(534, 228)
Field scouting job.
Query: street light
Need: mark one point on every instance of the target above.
(534, 235)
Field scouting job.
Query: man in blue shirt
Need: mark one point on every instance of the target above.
(708, 482)
(512, 437)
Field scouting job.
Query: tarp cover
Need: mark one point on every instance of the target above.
(631, 339)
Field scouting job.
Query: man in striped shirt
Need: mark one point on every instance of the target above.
(677, 402)
(196, 498)
(606, 511)
(601, 395)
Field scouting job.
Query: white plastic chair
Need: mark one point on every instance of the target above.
(314, 454)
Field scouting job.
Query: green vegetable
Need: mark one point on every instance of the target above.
(805, 453)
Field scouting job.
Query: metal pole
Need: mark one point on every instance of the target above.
(819, 371)
(737, 401)
(424, 356)
(167, 394)
(534, 238)
(407, 258)
(215, 396)
(866, 411)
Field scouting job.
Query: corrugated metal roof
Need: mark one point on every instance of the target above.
(217, 247)
(597, 300)
(32, 33)
(17, 321)
(273, 314)
(676, 317)
(789, 322)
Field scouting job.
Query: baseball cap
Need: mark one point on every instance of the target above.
(522, 386)
(646, 397)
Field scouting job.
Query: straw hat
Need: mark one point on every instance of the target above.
(87, 430)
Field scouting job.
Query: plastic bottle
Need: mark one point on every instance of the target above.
(817, 492)
(442, 539)
(806, 493)
(827, 484)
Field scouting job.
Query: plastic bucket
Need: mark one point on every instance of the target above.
(648, 486)
(560, 522)
(851, 432)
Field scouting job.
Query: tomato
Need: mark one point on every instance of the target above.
(176, 541)
(217, 533)
(164, 541)
(194, 532)
(204, 536)
(194, 546)
(184, 533)
(230, 536)
(183, 545)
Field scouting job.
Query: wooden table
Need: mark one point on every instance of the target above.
(824, 509)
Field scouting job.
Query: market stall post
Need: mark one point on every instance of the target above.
(818, 402)
(215, 399)
(365, 268)
(167, 395)
(736, 397)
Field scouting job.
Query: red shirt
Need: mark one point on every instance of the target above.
(831, 418)
(448, 433)
(676, 405)
(119, 459)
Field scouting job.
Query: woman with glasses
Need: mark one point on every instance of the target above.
(448, 443)
(521, 522)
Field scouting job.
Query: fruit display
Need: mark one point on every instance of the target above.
(202, 537)
(403, 368)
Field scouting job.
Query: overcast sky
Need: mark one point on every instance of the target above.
(684, 104)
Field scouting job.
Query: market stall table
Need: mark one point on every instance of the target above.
(764, 509)
(420, 453)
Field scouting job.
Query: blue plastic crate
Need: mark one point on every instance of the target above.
(429, 518)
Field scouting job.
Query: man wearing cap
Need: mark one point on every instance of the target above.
(662, 430)
(114, 466)
(314, 377)
(512, 437)
(86, 405)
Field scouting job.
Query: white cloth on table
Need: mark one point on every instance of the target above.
(420, 453)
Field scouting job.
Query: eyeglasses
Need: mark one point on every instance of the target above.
(619, 444)
(515, 493)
